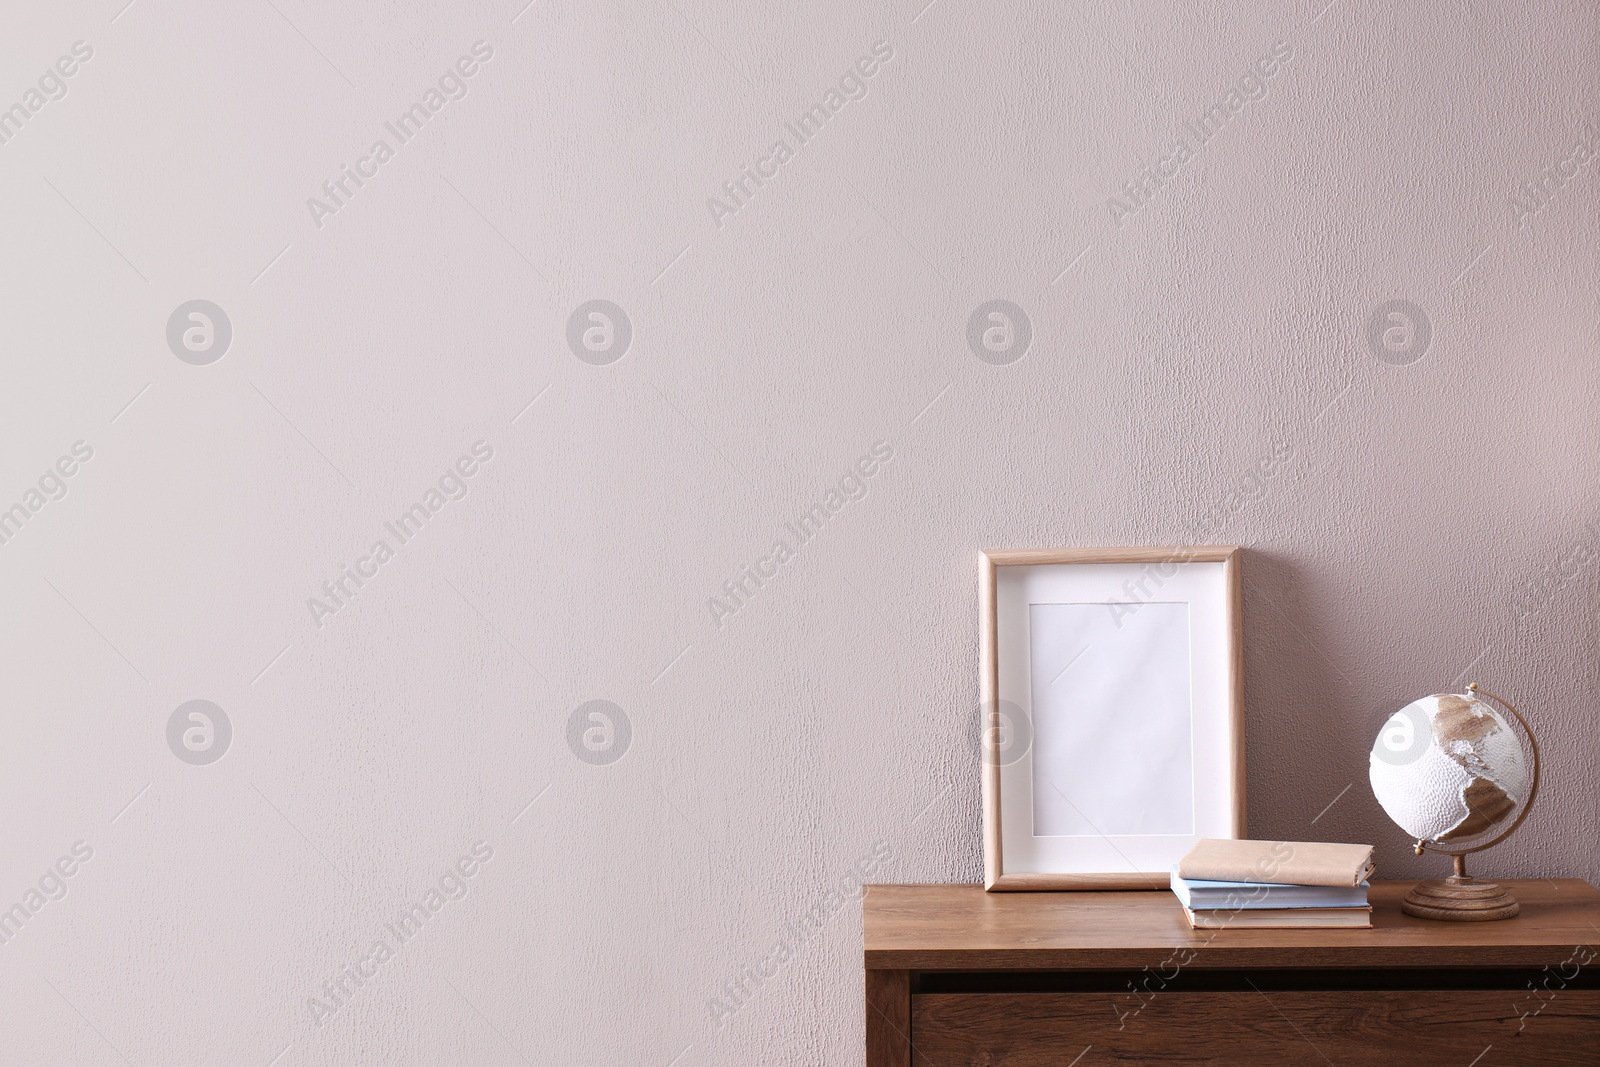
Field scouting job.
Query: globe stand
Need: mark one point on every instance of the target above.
(1460, 898)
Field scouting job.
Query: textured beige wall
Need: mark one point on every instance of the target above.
(821, 732)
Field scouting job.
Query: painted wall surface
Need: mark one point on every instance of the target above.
(1317, 279)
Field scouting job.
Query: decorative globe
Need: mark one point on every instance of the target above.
(1450, 769)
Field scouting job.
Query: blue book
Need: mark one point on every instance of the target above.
(1198, 895)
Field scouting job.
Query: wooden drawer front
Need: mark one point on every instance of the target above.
(1381, 1028)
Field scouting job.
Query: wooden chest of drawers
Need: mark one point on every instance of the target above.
(956, 977)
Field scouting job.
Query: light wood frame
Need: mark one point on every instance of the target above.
(995, 878)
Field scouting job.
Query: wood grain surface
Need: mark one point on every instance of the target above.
(1351, 1029)
(956, 927)
(888, 1019)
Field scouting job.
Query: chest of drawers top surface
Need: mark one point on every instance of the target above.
(957, 927)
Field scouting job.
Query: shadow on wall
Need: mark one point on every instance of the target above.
(1310, 715)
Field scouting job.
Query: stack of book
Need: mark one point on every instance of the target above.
(1254, 884)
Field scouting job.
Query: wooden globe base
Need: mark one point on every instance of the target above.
(1459, 899)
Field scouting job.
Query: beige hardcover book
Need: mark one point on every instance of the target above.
(1282, 919)
(1277, 862)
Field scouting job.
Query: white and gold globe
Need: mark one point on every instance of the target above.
(1450, 768)
(1459, 774)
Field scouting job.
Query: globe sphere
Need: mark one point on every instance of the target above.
(1449, 768)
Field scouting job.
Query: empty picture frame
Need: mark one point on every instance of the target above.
(1112, 712)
